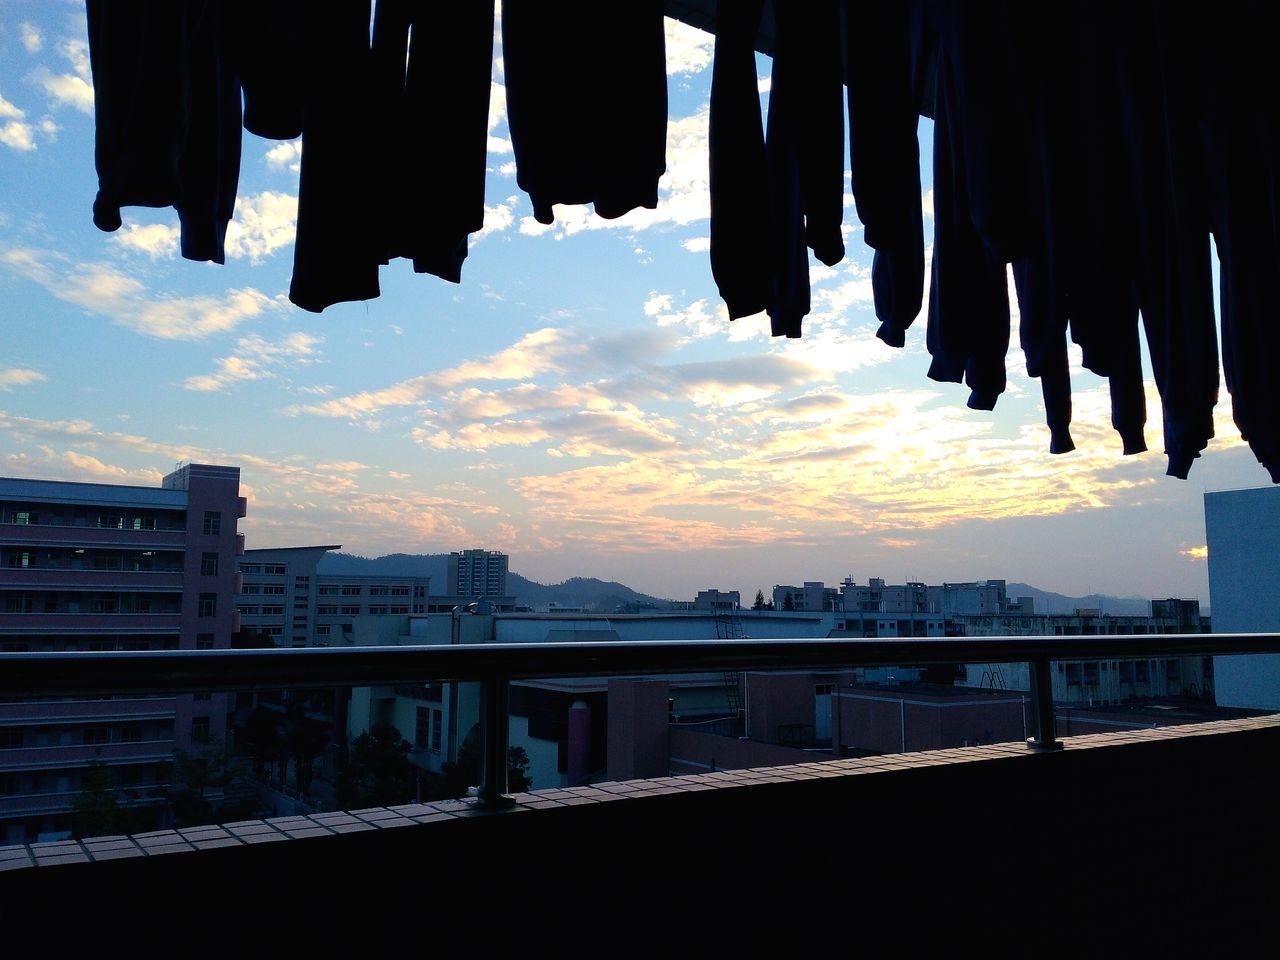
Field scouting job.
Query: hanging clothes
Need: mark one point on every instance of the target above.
(432, 195)
(268, 52)
(738, 170)
(336, 252)
(587, 116)
(884, 157)
(167, 112)
(1240, 135)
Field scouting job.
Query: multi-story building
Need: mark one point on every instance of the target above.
(284, 597)
(717, 600)
(1242, 528)
(93, 566)
(478, 573)
(813, 597)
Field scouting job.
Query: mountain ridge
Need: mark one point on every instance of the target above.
(607, 596)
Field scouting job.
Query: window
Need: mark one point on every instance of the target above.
(208, 564)
(250, 568)
(435, 730)
(144, 523)
(9, 784)
(202, 696)
(276, 589)
(106, 605)
(327, 611)
(199, 729)
(274, 611)
(110, 521)
(248, 610)
(399, 609)
(329, 591)
(399, 591)
(97, 735)
(252, 588)
(300, 604)
(378, 591)
(349, 590)
(275, 568)
(378, 611)
(422, 728)
(131, 733)
(272, 631)
(26, 517)
(18, 604)
(301, 582)
(208, 605)
(322, 630)
(10, 738)
(22, 559)
(350, 611)
(213, 523)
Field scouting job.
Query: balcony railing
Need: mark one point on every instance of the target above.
(494, 665)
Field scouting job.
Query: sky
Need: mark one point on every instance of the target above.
(580, 401)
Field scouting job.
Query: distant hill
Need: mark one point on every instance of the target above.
(587, 592)
(608, 596)
(1049, 602)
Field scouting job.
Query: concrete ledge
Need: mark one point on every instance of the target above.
(1130, 833)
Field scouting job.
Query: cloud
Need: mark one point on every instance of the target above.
(10, 112)
(396, 475)
(497, 219)
(285, 156)
(343, 466)
(156, 240)
(105, 291)
(900, 543)
(254, 359)
(541, 351)
(262, 224)
(32, 38)
(697, 244)
(18, 136)
(689, 50)
(68, 89)
(18, 377)
(1196, 553)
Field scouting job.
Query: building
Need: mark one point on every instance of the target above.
(813, 597)
(716, 600)
(1098, 682)
(284, 597)
(95, 566)
(478, 573)
(1242, 528)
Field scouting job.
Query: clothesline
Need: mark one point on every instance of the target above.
(1096, 148)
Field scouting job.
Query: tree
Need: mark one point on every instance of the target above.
(378, 771)
(96, 812)
(759, 604)
(465, 773)
(787, 602)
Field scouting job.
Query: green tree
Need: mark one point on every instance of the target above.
(377, 771)
(787, 602)
(759, 604)
(95, 811)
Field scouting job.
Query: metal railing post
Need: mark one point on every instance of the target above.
(1043, 720)
(493, 786)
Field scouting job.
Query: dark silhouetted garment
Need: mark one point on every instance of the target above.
(167, 109)
(432, 186)
(738, 173)
(336, 253)
(586, 102)
(884, 158)
(269, 52)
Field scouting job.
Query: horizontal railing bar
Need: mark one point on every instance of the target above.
(192, 671)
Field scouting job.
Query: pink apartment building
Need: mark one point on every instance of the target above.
(92, 566)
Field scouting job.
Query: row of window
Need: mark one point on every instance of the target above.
(427, 729)
(249, 610)
(104, 521)
(269, 589)
(14, 738)
(272, 569)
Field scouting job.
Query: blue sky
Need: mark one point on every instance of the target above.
(580, 401)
